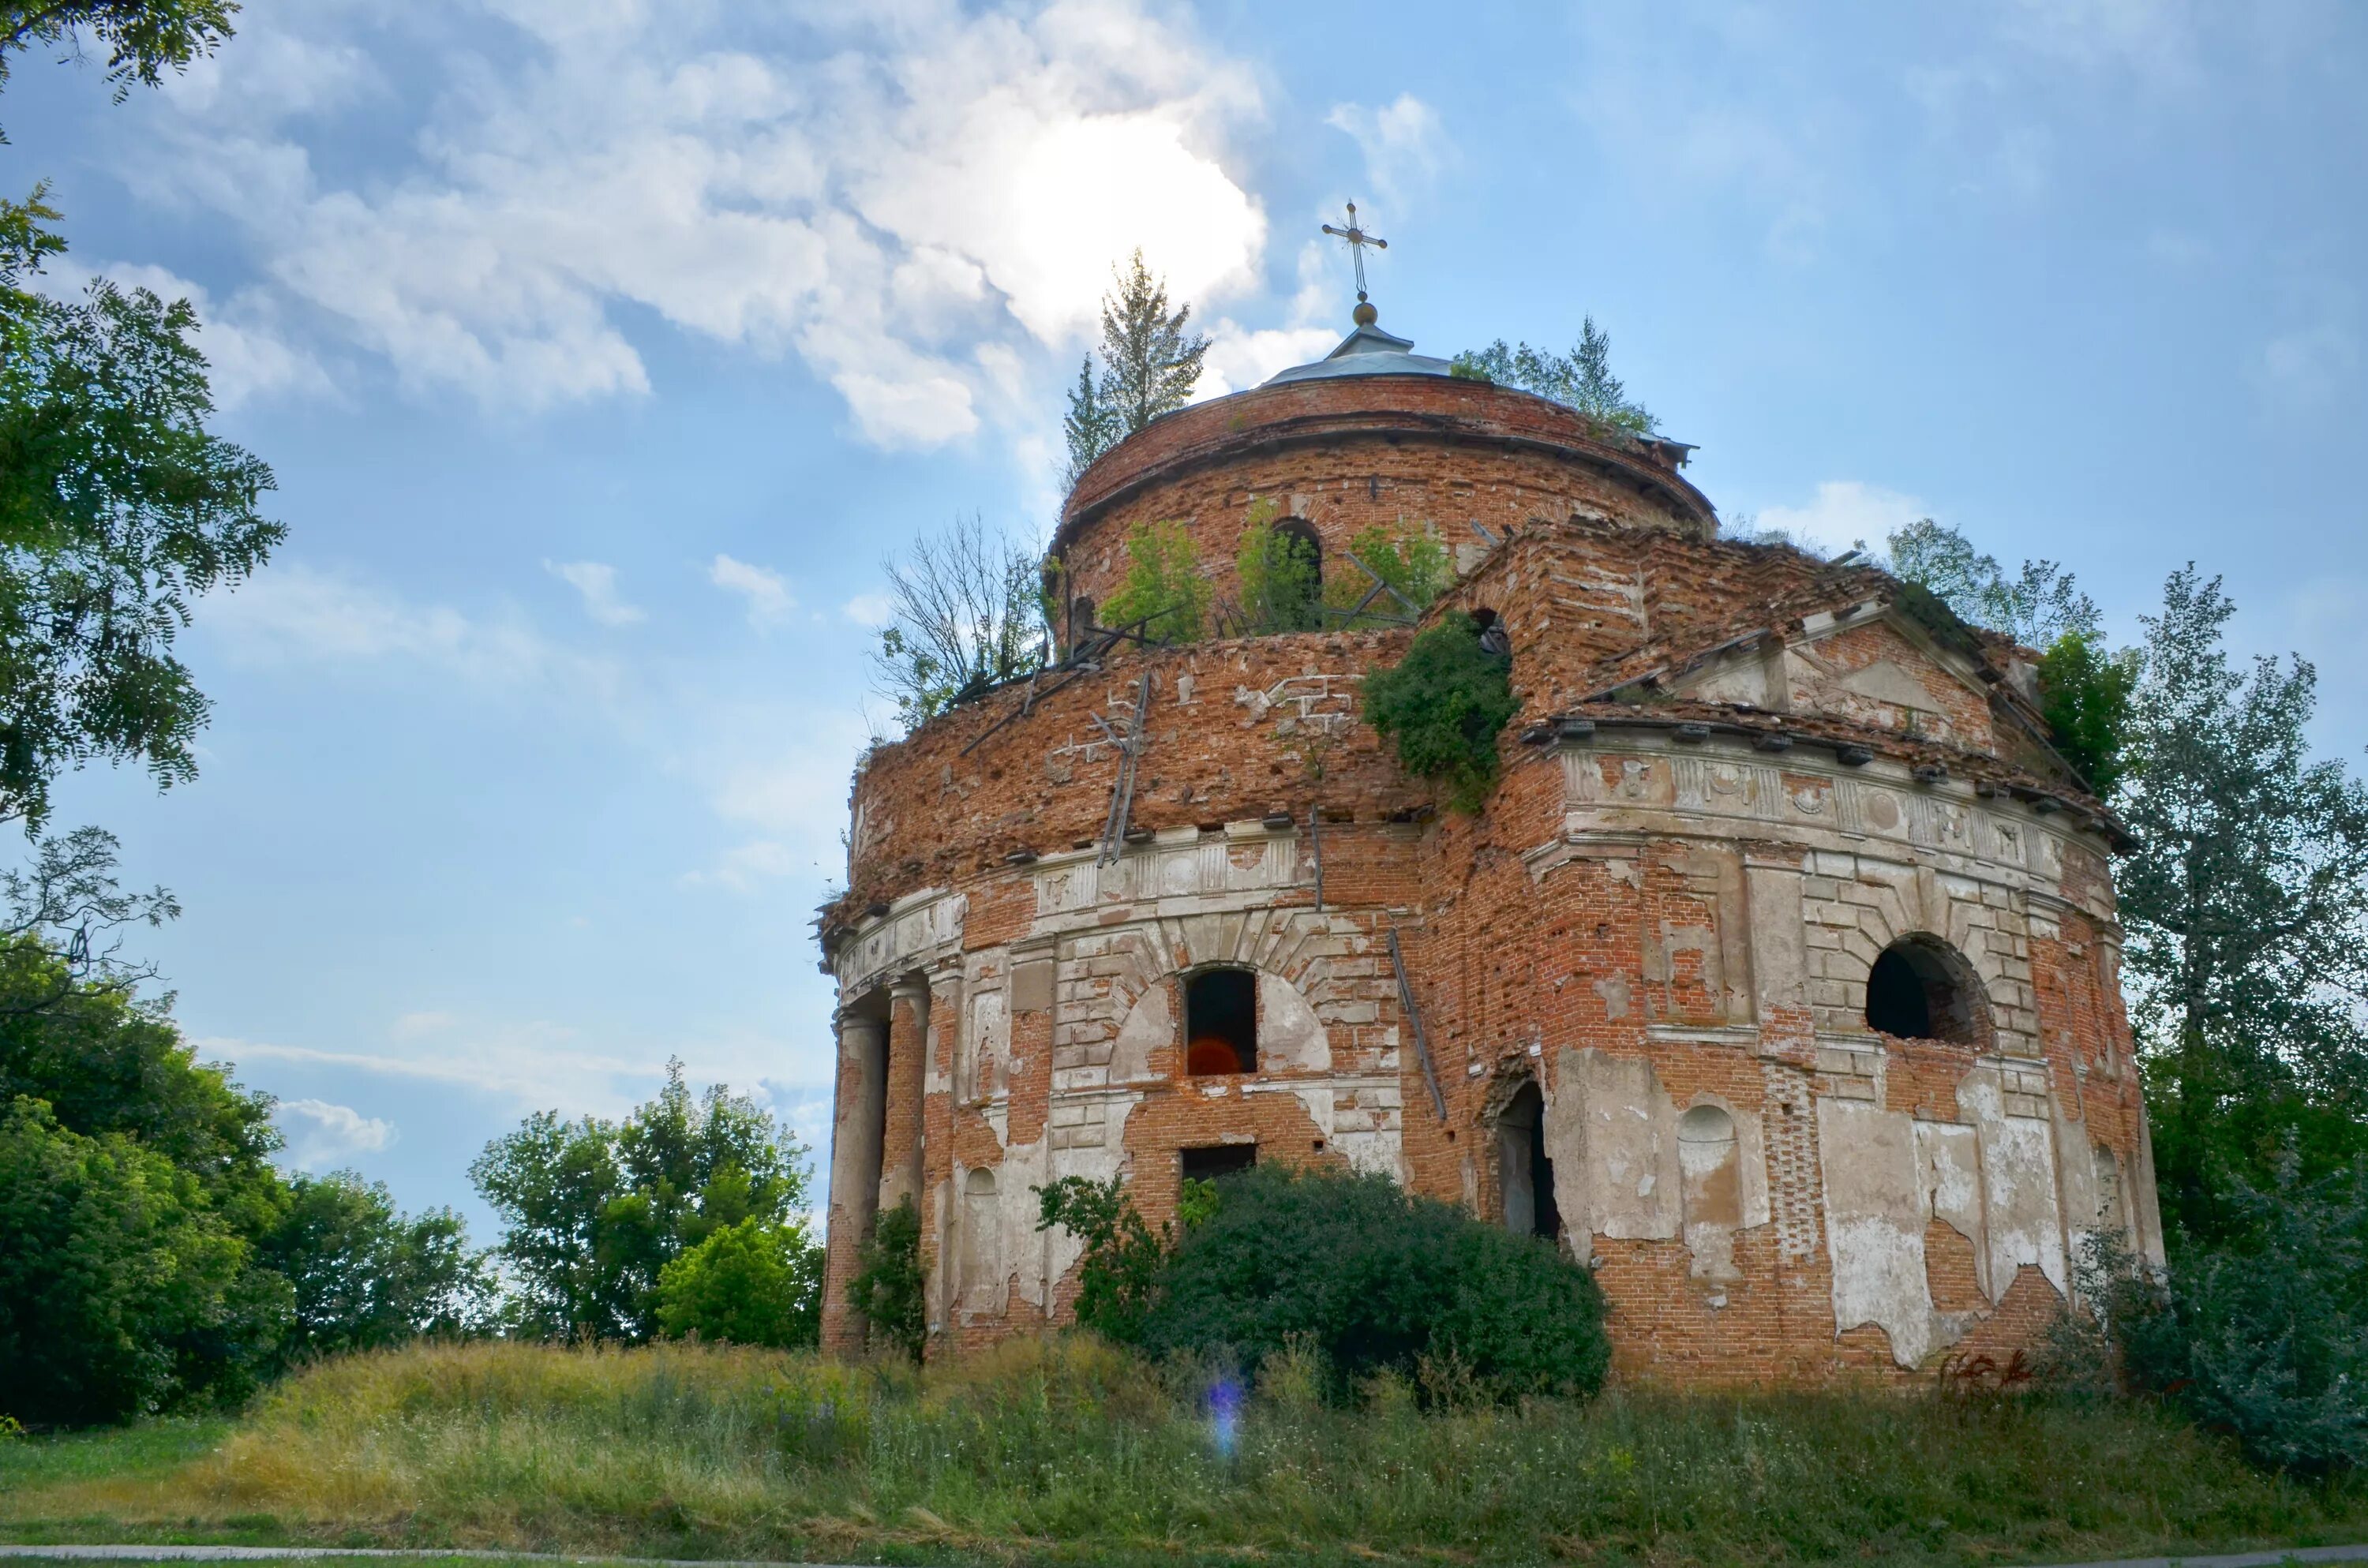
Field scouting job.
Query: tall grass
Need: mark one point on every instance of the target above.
(1068, 1450)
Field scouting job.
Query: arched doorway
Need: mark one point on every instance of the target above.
(1524, 1174)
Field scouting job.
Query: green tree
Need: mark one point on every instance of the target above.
(1443, 703)
(117, 506)
(1150, 362)
(124, 1288)
(364, 1275)
(1163, 586)
(2084, 691)
(2037, 609)
(1581, 378)
(1150, 359)
(593, 1210)
(888, 1288)
(1090, 427)
(144, 38)
(1281, 589)
(966, 616)
(133, 1183)
(2085, 695)
(759, 1282)
(2247, 909)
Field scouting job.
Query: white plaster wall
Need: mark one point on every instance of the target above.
(1875, 1224)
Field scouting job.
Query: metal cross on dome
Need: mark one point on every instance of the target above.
(1358, 240)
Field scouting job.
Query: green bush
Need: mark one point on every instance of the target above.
(1376, 1280)
(1444, 703)
(888, 1287)
(757, 1282)
(2265, 1336)
(1162, 582)
(123, 1289)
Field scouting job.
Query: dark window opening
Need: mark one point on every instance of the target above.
(1081, 615)
(1300, 537)
(1220, 1022)
(1920, 989)
(1222, 1159)
(1524, 1174)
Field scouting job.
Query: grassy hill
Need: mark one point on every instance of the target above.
(1067, 1451)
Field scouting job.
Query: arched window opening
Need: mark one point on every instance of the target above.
(1920, 989)
(1081, 616)
(1220, 1022)
(1524, 1175)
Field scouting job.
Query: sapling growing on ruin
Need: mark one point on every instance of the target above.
(966, 614)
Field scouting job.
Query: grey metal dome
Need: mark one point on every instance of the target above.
(1368, 351)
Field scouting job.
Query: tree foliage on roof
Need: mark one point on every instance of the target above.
(967, 613)
(2084, 690)
(1581, 378)
(2035, 608)
(1150, 362)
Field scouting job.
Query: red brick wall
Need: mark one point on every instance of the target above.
(1513, 960)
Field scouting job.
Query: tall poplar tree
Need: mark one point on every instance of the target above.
(2247, 909)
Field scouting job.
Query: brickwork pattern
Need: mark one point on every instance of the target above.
(1641, 923)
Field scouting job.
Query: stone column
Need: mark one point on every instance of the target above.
(941, 1062)
(908, 1044)
(854, 1173)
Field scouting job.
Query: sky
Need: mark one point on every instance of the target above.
(604, 348)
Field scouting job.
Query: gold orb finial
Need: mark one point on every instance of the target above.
(1364, 314)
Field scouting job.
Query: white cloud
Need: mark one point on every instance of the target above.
(874, 188)
(295, 614)
(2304, 370)
(596, 582)
(1404, 145)
(869, 610)
(765, 592)
(326, 1134)
(537, 1066)
(1846, 513)
(1239, 357)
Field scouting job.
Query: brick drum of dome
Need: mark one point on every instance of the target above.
(1777, 981)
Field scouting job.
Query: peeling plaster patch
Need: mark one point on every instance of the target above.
(1874, 1225)
(1949, 1165)
(2019, 1193)
(1613, 989)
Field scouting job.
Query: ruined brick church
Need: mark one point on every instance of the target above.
(1777, 981)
